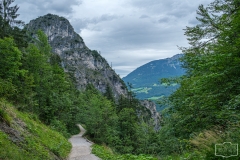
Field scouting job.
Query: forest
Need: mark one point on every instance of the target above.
(202, 112)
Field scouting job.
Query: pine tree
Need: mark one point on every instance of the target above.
(109, 93)
(10, 25)
(9, 14)
(209, 93)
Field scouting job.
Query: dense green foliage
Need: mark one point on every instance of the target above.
(202, 112)
(32, 79)
(116, 125)
(28, 138)
(205, 109)
(106, 154)
(36, 83)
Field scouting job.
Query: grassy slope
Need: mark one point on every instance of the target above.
(22, 136)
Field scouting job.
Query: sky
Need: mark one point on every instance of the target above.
(128, 33)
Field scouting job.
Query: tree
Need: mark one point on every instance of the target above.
(212, 65)
(10, 25)
(15, 81)
(98, 114)
(9, 14)
(10, 59)
(109, 93)
(208, 95)
(127, 126)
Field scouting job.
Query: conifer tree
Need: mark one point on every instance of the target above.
(109, 93)
(10, 25)
(209, 93)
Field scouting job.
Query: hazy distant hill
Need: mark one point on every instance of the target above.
(145, 79)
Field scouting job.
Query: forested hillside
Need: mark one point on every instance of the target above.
(202, 112)
(145, 80)
(33, 81)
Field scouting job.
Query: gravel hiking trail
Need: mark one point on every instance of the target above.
(81, 147)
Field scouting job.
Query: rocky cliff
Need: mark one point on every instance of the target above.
(154, 114)
(84, 65)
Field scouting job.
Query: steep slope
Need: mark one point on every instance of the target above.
(84, 65)
(145, 79)
(23, 136)
(154, 113)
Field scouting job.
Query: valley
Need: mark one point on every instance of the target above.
(50, 81)
(146, 79)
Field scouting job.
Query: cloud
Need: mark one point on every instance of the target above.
(144, 16)
(128, 33)
(153, 30)
(80, 24)
(60, 6)
(164, 20)
(31, 9)
(135, 59)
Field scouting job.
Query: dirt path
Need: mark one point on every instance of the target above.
(81, 147)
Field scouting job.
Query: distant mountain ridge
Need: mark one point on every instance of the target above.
(145, 79)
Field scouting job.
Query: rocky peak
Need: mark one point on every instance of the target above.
(84, 65)
(175, 59)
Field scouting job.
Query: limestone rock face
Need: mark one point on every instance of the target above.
(154, 114)
(84, 65)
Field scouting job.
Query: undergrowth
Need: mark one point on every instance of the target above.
(36, 141)
(105, 154)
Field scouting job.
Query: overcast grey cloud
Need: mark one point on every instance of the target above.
(129, 33)
(31, 9)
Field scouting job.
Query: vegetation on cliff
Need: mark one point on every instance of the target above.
(23, 136)
(202, 112)
(34, 82)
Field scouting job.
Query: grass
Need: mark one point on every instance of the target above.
(8, 150)
(165, 84)
(106, 154)
(155, 98)
(141, 90)
(36, 141)
(4, 116)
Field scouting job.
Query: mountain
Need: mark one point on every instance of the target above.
(145, 79)
(84, 65)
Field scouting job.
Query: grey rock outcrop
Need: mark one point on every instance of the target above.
(84, 65)
(154, 114)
